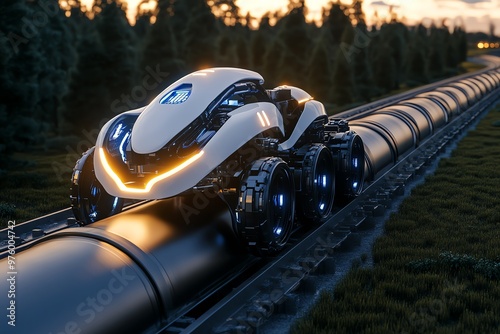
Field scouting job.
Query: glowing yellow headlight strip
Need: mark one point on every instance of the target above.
(151, 182)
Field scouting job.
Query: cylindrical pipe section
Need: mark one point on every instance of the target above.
(451, 104)
(421, 122)
(434, 111)
(478, 87)
(396, 130)
(491, 80)
(496, 76)
(459, 95)
(379, 153)
(466, 89)
(79, 285)
(493, 77)
(123, 274)
(488, 85)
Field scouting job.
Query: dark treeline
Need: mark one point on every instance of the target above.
(65, 70)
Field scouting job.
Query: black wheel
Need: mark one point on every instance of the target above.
(266, 206)
(353, 176)
(89, 201)
(349, 154)
(318, 183)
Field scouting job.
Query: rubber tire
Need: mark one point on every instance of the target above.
(351, 173)
(264, 219)
(318, 183)
(89, 201)
(349, 156)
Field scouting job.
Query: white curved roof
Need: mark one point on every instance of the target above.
(159, 123)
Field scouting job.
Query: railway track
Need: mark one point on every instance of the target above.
(254, 289)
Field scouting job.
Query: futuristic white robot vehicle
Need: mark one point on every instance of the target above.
(268, 153)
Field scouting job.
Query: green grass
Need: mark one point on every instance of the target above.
(38, 185)
(437, 267)
(468, 67)
(474, 51)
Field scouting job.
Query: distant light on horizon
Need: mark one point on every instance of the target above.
(487, 45)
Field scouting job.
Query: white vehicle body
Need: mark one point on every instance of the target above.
(218, 130)
(159, 123)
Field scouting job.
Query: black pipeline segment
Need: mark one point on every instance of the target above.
(123, 274)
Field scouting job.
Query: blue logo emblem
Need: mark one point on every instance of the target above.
(178, 95)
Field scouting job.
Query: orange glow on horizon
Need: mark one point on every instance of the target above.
(478, 15)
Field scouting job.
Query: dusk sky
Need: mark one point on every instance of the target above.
(477, 14)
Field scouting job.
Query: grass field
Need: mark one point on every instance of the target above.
(437, 267)
(474, 51)
(37, 186)
(468, 67)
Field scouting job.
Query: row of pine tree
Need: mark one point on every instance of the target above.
(65, 69)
